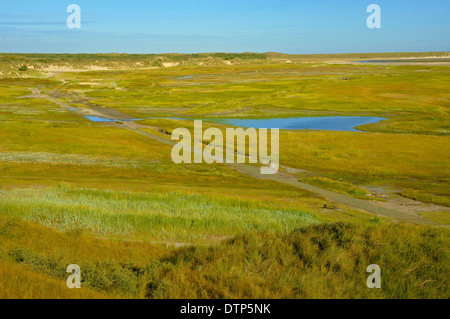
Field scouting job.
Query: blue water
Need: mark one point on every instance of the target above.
(327, 123)
(102, 119)
(99, 119)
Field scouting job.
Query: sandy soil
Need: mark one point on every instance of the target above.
(170, 64)
(58, 68)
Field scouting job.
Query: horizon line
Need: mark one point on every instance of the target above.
(215, 52)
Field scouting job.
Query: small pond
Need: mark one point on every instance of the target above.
(326, 123)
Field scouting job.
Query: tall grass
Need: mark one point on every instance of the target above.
(323, 261)
(318, 261)
(169, 216)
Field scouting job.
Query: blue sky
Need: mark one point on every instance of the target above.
(289, 26)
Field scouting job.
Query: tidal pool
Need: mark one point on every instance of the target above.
(103, 119)
(99, 119)
(326, 123)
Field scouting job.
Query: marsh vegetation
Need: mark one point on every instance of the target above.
(111, 200)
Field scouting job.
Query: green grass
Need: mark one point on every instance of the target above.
(405, 161)
(35, 268)
(170, 216)
(341, 187)
(440, 217)
(427, 198)
(399, 93)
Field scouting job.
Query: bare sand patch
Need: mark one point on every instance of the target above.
(60, 68)
(170, 64)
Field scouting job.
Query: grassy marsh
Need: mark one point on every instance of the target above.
(112, 201)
